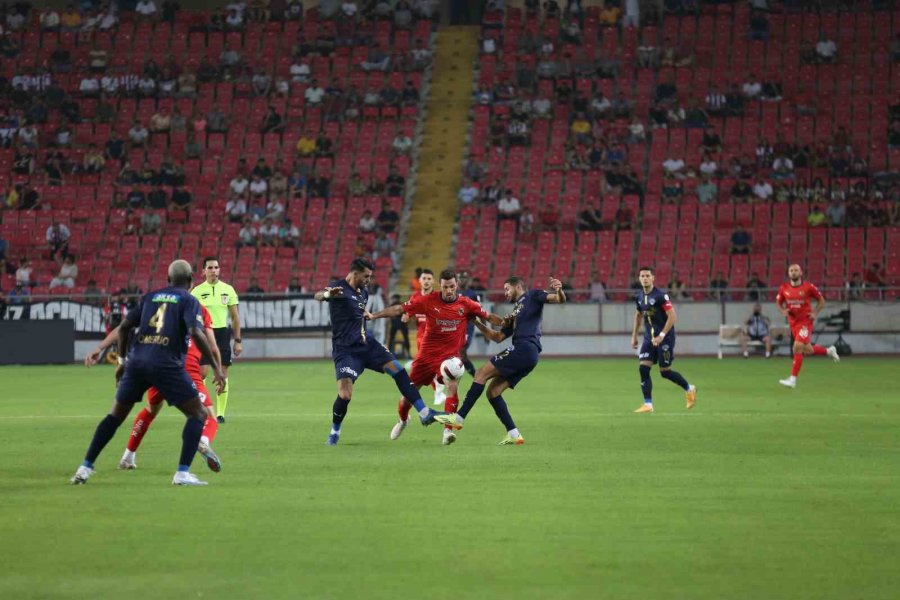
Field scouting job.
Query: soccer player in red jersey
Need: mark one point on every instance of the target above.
(154, 399)
(447, 316)
(794, 301)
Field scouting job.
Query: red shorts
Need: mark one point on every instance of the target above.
(801, 330)
(423, 372)
(154, 397)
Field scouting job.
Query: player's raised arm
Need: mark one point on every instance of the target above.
(388, 313)
(94, 357)
(556, 295)
(491, 334)
(329, 293)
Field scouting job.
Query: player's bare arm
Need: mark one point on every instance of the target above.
(671, 318)
(556, 295)
(495, 320)
(203, 345)
(236, 327)
(123, 338)
(781, 306)
(491, 334)
(388, 313)
(94, 357)
(329, 293)
(820, 304)
(634, 329)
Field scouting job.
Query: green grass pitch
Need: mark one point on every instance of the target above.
(760, 492)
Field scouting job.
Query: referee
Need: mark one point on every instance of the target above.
(221, 301)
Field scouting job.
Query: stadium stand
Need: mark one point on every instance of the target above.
(204, 108)
(575, 112)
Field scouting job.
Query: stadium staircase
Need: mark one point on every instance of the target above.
(429, 237)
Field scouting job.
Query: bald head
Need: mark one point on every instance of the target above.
(180, 273)
(795, 273)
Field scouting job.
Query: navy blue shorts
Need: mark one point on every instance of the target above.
(663, 354)
(516, 362)
(470, 331)
(352, 364)
(173, 383)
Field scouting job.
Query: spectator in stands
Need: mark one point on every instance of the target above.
(58, 239)
(146, 10)
(288, 234)
(741, 191)
(672, 191)
(384, 247)
(395, 183)
(637, 133)
(677, 288)
(151, 222)
(239, 186)
(707, 191)
(161, 121)
(258, 187)
(24, 272)
(740, 241)
(402, 143)
(755, 287)
(93, 160)
(367, 222)
(216, 121)
(782, 168)
(138, 135)
(875, 276)
(181, 198)
(247, 235)
(590, 219)
(717, 286)
(542, 107)
(673, 167)
(816, 217)
(716, 102)
(136, 198)
(253, 290)
(666, 91)
(314, 94)
(376, 59)
(158, 198)
(236, 209)
(623, 219)
(49, 20)
(826, 50)
(324, 146)
(318, 187)
(468, 193)
(695, 116)
(508, 207)
(272, 121)
(708, 166)
(735, 101)
(855, 286)
(192, 148)
(762, 190)
(388, 219)
(752, 88)
(268, 233)
(89, 86)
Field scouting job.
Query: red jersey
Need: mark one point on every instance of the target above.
(193, 356)
(420, 319)
(445, 322)
(798, 299)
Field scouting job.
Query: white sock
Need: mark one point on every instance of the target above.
(129, 455)
(768, 354)
(424, 412)
(746, 354)
(204, 440)
(335, 431)
(514, 433)
(792, 379)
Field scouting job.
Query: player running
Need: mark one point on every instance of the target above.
(446, 317)
(164, 319)
(511, 366)
(794, 302)
(655, 310)
(155, 400)
(221, 301)
(354, 350)
(426, 287)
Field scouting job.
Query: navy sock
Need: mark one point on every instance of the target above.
(190, 439)
(676, 378)
(470, 368)
(502, 412)
(646, 382)
(104, 432)
(339, 411)
(472, 397)
(407, 389)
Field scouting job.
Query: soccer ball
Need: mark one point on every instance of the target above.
(452, 369)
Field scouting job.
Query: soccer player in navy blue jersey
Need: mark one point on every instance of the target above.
(154, 338)
(354, 350)
(464, 290)
(655, 311)
(511, 366)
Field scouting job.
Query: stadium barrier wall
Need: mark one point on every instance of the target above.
(37, 342)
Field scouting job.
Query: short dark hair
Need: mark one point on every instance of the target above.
(361, 264)
(448, 274)
(427, 272)
(645, 268)
(515, 281)
(206, 259)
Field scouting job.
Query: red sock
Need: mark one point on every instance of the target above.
(141, 424)
(210, 429)
(819, 350)
(450, 406)
(798, 362)
(403, 409)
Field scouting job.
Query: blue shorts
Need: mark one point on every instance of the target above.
(352, 364)
(663, 354)
(516, 362)
(172, 381)
(470, 331)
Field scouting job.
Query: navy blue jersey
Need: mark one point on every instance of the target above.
(653, 307)
(348, 325)
(527, 313)
(472, 294)
(165, 317)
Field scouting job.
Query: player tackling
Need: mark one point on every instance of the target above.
(506, 369)
(655, 311)
(794, 302)
(445, 319)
